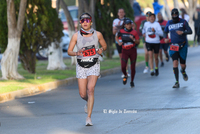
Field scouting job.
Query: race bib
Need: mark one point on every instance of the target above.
(174, 47)
(89, 51)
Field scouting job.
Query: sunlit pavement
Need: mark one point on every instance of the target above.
(151, 107)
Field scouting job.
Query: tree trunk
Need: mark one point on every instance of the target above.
(190, 9)
(92, 11)
(55, 58)
(167, 10)
(131, 2)
(57, 6)
(28, 59)
(71, 28)
(176, 4)
(109, 51)
(9, 62)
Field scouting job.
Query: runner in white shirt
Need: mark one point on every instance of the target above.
(151, 31)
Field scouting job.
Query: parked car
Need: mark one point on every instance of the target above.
(74, 13)
(43, 52)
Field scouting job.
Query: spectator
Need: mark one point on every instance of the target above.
(136, 8)
(157, 7)
(184, 15)
(196, 19)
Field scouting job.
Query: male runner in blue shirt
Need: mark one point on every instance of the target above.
(178, 29)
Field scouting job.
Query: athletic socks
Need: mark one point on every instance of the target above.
(175, 69)
(147, 64)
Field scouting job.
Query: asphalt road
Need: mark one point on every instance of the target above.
(151, 107)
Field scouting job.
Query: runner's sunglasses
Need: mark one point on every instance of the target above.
(87, 20)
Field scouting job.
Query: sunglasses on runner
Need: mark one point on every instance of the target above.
(87, 20)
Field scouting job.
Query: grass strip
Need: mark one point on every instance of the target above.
(43, 76)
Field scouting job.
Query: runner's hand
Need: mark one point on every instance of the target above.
(100, 51)
(144, 35)
(119, 23)
(79, 53)
(166, 40)
(120, 43)
(179, 32)
(131, 36)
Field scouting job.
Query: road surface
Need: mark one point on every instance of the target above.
(151, 107)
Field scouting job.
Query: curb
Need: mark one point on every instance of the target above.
(35, 90)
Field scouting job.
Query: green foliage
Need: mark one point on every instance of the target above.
(70, 2)
(42, 26)
(104, 16)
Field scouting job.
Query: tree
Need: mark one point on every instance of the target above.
(190, 9)
(71, 27)
(104, 16)
(167, 10)
(41, 28)
(9, 62)
(176, 5)
(55, 53)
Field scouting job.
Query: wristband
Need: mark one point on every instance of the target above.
(102, 49)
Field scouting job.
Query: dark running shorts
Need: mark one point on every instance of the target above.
(119, 48)
(153, 47)
(177, 56)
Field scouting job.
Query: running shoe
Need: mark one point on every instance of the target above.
(125, 80)
(162, 64)
(152, 73)
(146, 69)
(85, 108)
(132, 84)
(156, 72)
(185, 77)
(127, 74)
(176, 85)
(167, 58)
(88, 122)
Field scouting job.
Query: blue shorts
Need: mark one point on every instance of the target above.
(182, 53)
(164, 46)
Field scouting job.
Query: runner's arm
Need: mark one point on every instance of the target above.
(165, 34)
(159, 30)
(137, 38)
(102, 42)
(166, 30)
(72, 45)
(188, 29)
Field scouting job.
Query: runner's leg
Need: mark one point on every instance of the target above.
(124, 61)
(150, 53)
(156, 51)
(82, 84)
(133, 57)
(160, 54)
(92, 79)
(175, 58)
